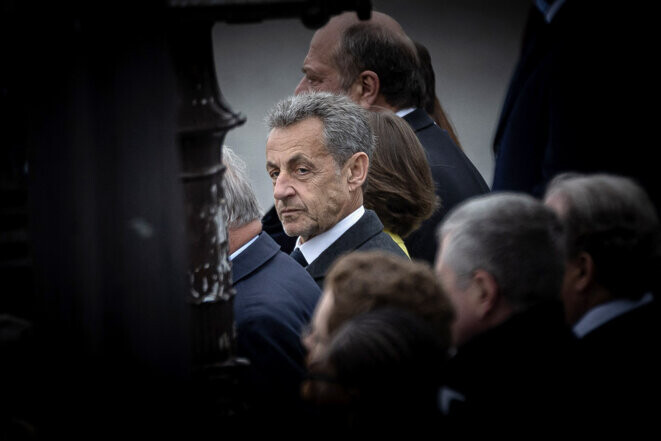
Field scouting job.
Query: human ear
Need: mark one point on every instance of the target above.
(357, 167)
(485, 292)
(365, 90)
(579, 273)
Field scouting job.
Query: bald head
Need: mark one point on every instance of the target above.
(374, 62)
(342, 22)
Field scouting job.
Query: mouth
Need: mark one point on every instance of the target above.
(289, 212)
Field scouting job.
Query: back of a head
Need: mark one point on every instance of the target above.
(381, 46)
(430, 101)
(346, 125)
(513, 237)
(385, 362)
(613, 220)
(364, 281)
(400, 188)
(241, 205)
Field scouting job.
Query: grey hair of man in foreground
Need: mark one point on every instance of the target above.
(346, 125)
(515, 238)
(241, 202)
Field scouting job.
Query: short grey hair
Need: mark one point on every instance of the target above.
(513, 237)
(346, 125)
(613, 220)
(241, 203)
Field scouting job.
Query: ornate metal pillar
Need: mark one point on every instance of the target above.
(203, 121)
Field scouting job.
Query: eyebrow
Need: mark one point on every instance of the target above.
(299, 157)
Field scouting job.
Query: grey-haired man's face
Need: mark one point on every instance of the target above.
(311, 193)
(319, 72)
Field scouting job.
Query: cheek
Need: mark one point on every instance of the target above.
(324, 197)
(463, 318)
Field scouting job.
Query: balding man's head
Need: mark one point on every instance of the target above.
(374, 62)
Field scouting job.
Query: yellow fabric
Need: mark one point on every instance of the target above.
(399, 241)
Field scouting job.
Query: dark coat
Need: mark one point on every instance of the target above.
(455, 177)
(618, 368)
(571, 107)
(275, 298)
(366, 234)
(513, 376)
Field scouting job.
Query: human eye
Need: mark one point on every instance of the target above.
(273, 174)
(312, 78)
(302, 169)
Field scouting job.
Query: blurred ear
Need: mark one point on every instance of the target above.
(581, 272)
(578, 285)
(486, 293)
(365, 90)
(357, 167)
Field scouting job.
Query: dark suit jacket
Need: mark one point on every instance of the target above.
(519, 369)
(619, 369)
(275, 298)
(455, 177)
(571, 107)
(366, 234)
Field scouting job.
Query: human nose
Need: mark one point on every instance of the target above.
(302, 86)
(282, 188)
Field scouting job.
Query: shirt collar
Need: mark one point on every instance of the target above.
(312, 248)
(403, 112)
(549, 8)
(606, 312)
(240, 250)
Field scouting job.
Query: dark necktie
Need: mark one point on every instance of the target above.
(299, 257)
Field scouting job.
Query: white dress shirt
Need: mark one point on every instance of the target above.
(606, 312)
(240, 250)
(313, 247)
(403, 112)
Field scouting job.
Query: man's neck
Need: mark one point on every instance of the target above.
(380, 101)
(314, 246)
(243, 234)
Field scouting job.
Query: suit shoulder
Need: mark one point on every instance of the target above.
(382, 241)
(280, 286)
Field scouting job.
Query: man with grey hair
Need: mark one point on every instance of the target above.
(375, 63)
(274, 301)
(317, 156)
(614, 252)
(501, 262)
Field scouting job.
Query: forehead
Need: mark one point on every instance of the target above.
(323, 45)
(441, 264)
(304, 137)
(321, 314)
(558, 203)
(326, 39)
(442, 248)
(446, 275)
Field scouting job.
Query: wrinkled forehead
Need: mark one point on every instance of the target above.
(329, 35)
(325, 42)
(322, 312)
(557, 202)
(306, 134)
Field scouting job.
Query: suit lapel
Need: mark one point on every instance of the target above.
(366, 228)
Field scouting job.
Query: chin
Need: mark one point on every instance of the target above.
(290, 230)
